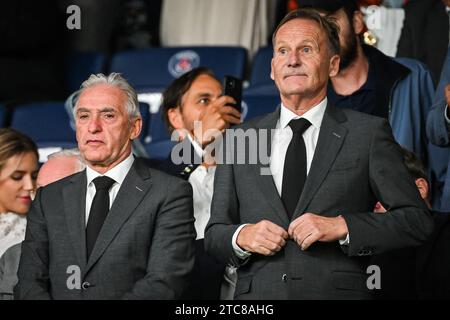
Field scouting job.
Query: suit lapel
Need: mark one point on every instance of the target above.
(265, 181)
(331, 137)
(74, 199)
(135, 186)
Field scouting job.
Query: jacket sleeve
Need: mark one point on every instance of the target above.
(437, 128)
(171, 254)
(407, 222)
(225, 217)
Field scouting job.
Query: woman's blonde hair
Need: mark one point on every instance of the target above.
(14, 143)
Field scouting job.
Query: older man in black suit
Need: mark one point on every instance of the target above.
(305, 230)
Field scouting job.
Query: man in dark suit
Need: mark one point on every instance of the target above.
(425, 33)
(117, 230)
(299, 225)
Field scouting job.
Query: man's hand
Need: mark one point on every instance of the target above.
(215, 119)
(264, 237)
(309, 228)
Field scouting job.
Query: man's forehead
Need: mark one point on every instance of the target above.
(205, 84)
(307, 28)
(97, 108)
(101, 97)
(102, 91)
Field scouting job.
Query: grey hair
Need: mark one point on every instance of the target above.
(114, 79)
(70, 153)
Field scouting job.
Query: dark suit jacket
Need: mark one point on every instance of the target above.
(418, 273)
(145, 249)
(356, 162)
(425, 34)
(433, 261)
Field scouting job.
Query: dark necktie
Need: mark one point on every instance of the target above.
(294, 172)
(99, 210)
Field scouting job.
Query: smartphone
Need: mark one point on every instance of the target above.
(233, 87)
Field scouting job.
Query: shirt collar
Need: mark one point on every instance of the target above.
(197, 148)
(313, 115)
(118, 173)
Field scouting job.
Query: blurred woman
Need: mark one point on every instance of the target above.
(18, 172)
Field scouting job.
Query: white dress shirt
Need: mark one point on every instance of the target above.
(118, 174)
(283, 136)
(202, 182)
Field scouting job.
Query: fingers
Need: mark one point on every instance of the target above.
(268, 246)
(310, 228)
(265, 238)
(276, 229)
(306, 241)
(231, 119)
(295, 224)
(306, 229)
(231, 111)
(222, 105)
(218, 115)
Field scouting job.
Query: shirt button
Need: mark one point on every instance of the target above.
(85, 285)
(284, 277)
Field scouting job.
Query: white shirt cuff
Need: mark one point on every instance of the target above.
(446, 111)
(242, 254)
(346, 241)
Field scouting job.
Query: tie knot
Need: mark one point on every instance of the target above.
(299, 125)
(103, 182)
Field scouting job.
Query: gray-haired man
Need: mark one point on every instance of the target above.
(116, 230)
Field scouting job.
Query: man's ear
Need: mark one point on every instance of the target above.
(175, 118)
(271, 70)
(358, 22)
(334, 65)
(136, 128)
(422, 185)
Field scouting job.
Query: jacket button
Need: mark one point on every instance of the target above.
(85, 285)
(284, 277)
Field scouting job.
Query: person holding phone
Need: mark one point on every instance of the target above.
(196, 107)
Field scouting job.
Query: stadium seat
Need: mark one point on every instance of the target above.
(159, 150)
(157, 142)
(80, 65)
(254, 106)
(153, 69)
(2, 116)
(260, 81)
(146, 116)
(47, 123)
